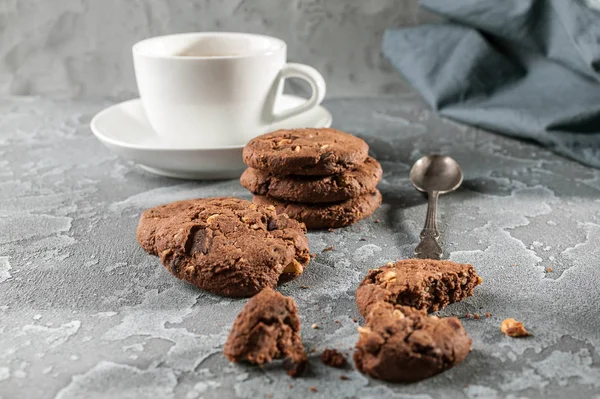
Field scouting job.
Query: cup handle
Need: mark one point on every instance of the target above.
(312, 77)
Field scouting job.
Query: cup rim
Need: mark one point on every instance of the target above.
(136, 47)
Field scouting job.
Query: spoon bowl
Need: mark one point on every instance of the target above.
(433, 174)
(436, 173)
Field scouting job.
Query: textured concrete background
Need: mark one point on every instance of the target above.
(86, 313)
(81, 48)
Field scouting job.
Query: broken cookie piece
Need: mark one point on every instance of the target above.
(227, 246)
(333, 358)
(420, 283)
(267, 328)
(514, 328)
(403, 344)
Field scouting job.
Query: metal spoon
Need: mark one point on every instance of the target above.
(433, 174)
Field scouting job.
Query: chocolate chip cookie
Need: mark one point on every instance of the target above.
(315, 189)
(403, 344)
(267, 328)
(320, 216)
(315, 152)
(421, 283)
(227, 246)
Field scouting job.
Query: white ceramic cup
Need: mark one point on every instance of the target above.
(216, 89)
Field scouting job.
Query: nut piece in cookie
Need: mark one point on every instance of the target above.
(322, 216)
(333, 358)
(514, 328)
(267, 328)
(420, 283)
(227, 246)
(402, 344)
(313, 152)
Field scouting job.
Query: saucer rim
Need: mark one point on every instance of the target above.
(121, 144)
(233, 173)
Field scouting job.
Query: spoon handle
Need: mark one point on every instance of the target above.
(429, 248)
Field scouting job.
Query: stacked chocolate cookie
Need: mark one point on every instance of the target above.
(322, 177)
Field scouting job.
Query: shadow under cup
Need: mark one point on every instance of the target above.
(215, 90)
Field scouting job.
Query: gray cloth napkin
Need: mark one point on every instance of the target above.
(525, 68)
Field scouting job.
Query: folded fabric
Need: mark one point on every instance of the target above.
(524, 68)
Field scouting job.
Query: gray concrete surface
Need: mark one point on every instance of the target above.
(82, 48)
(86, 313)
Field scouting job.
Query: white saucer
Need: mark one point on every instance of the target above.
(124, 129)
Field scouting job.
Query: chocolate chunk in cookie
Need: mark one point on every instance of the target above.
(321, 216)
(402, 344)
(317, 152)
(420, 283)
(267, 328)
(227, 246)
(315, 189)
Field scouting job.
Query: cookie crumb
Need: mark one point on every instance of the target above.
(468, 315)
(476, 316)
(333, 358)
(513, 328)
(344, 377)
(315, 326)
(488, 314)
(354, 320)
(515, 265)
(377, 221)
(268, 395)
(313, 350)
(336, 322)
(330, 230)
(548, 270)
(313, 389)
(362, 239)
(313, 256)
(329, 248)
(305, 287)
(282, 313)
